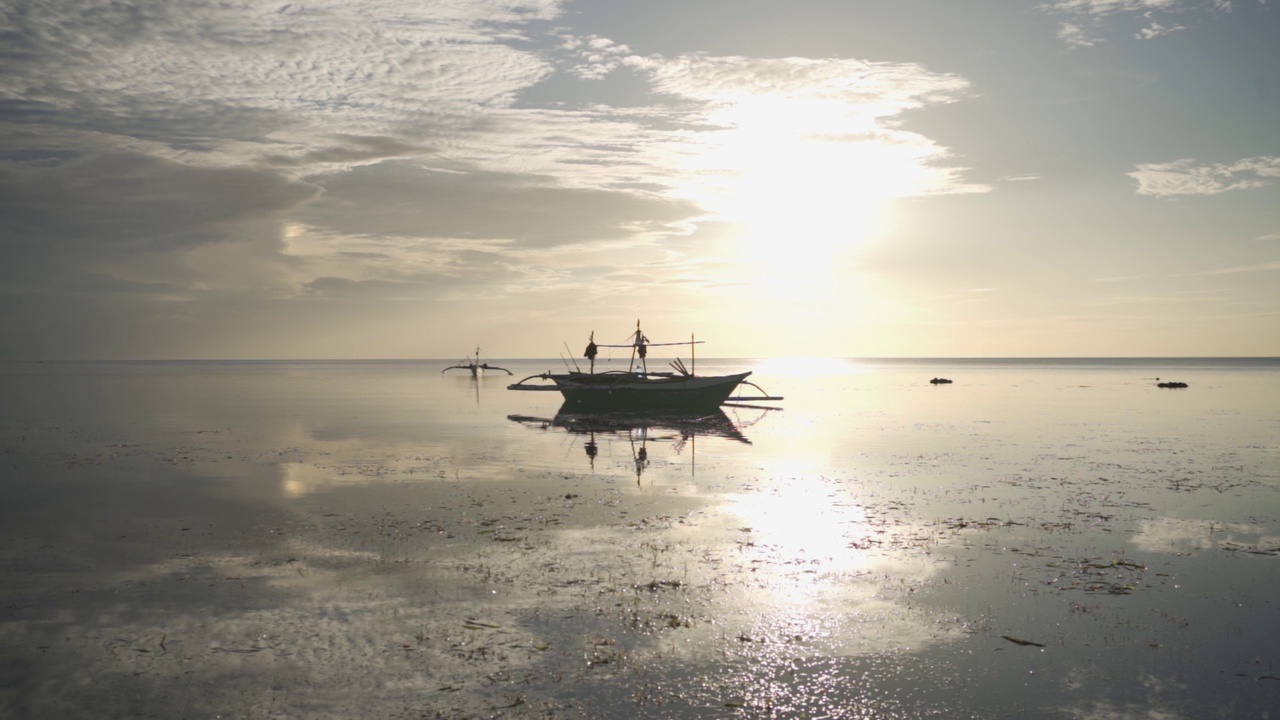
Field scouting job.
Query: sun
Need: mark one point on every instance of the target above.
(803, 213)
(804, 181)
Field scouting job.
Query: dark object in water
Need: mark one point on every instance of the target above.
(940, 381)
(1020, 641)
(1171, 384)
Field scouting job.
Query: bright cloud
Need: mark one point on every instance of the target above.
(790, 119)
(1189, 177)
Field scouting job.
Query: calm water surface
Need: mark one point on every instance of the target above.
(1048, 538)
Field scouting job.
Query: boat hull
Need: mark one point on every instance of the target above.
(607, 391)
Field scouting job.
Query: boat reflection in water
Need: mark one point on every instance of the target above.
(639, 428)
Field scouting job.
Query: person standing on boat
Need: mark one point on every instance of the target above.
(641, 349)
(591, 351)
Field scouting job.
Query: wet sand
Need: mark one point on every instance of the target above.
(968, 568)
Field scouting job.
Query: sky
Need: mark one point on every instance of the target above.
(829, 178)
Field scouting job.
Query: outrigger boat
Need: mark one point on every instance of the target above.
(475, 366)
(637, 386)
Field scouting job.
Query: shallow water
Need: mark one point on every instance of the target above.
(378, 539)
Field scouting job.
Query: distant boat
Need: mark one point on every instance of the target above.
(474, 366)
(637, 386)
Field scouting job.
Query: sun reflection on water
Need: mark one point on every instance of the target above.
(805, 523)
(806, 367)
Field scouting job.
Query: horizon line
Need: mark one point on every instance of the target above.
(709, 358)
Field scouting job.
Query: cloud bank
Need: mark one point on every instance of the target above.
(170, 163)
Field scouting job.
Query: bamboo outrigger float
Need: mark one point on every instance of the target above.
(475, 366)
(637, 386)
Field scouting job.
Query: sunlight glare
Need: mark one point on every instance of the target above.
(810, 367)
(805, 524)
(805, 180)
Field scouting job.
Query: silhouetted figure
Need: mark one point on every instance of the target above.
(591, 351)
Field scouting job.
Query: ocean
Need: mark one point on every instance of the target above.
(1048, 538)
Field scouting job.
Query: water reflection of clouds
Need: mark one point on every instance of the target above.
(301, 479)
(1182, 535)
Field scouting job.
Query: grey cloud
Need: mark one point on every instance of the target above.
(335, 287)
(351, 149)
(117, 208)
(132, 198)
(402, 199)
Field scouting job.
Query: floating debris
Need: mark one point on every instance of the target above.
(1020, 641)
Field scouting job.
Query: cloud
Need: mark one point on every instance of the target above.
(350, 150)
(185, 159)
(337, 97)
(595, 57)
(1188, 177)
(127, 215)
(1120, 278)
(1155, 29)
(820, 124)
(866, 88)
(220, 79)
(1235, 269)
(1084, 23)
(405, 200)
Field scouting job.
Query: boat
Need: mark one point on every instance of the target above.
(639, 387)
(475, 366)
